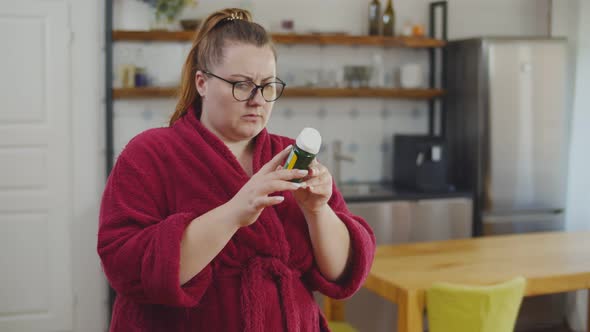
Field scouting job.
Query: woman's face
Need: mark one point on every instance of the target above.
(232, 120)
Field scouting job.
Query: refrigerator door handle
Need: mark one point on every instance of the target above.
(523, 221)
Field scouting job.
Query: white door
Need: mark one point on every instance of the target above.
(35, 166)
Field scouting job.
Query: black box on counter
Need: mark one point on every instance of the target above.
(420, 163)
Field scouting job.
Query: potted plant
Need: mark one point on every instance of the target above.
(166, 11)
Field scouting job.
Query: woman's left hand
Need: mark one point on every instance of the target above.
(318, 190)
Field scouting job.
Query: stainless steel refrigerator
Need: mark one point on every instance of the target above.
(507, 122)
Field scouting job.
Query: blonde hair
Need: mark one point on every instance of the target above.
(231, 24)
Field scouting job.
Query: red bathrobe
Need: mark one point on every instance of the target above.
(263, 278)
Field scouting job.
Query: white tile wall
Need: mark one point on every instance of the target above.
(131, 117)
(366, 126)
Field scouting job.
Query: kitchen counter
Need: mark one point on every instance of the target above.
(376, 192)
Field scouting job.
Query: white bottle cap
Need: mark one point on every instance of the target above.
(309, 140)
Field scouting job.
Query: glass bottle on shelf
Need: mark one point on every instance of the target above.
(389, 19)
(377, 70)
(374, 15)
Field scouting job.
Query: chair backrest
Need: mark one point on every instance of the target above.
(460, 308)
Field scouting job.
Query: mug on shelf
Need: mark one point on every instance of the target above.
(411, 76)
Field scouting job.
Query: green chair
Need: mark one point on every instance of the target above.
(459, 308)
(340, 327)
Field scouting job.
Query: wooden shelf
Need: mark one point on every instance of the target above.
(144, 93)
(341, 39)
(291, 39)
(299, 92)
(363, 93)
(153, 35)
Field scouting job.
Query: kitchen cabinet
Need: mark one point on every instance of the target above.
(390, 221)
(441, 219)
(401, 222)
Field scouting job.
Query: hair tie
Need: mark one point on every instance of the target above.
(234, 16)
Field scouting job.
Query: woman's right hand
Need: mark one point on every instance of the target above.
(249, 202)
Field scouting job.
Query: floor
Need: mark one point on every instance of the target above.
(562, 328)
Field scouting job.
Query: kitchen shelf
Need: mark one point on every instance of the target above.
(342, 39)
(363, 93)
(145, 92)
(299, 92)
(291, 39)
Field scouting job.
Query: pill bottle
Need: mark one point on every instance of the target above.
(306, 147)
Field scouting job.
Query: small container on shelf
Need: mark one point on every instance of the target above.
(374, 17)
(418, 30)
(141, 77)
(190, 24)
(357, 76)
(388, 19)
(284, 26)
(310, 77)
(378, 77)
(407, 29)
(330, 77)
(288, 26)
(126, 75)
(411, 76)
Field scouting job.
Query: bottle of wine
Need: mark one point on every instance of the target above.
(389, 20)
(374, 15)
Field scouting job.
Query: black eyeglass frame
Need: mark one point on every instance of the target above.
(254, 90)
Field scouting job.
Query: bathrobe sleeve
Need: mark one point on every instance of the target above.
(139, 242)
(362, 241)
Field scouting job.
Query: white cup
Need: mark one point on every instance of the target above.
(411, 76)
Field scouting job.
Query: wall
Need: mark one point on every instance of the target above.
(578, 215)
(571, 21)
(366, 126)
(469, 18)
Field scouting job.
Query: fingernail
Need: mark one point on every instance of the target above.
(287, 148)
(303, 184)
(296, 185)
(279, 198)
(302, 172)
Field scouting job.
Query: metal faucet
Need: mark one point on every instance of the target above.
(337, 157)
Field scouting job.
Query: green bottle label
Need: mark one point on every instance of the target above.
(298, 159)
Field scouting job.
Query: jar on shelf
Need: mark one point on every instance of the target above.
(141, 78)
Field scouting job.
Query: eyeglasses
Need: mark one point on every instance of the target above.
(246, 90)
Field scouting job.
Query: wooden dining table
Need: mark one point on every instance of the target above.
(552, 262)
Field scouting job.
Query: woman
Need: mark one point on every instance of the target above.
(202, 230)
